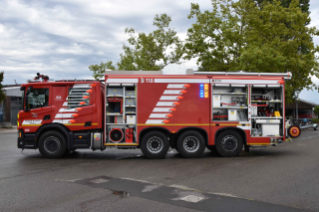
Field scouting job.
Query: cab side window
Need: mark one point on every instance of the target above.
(38, 98)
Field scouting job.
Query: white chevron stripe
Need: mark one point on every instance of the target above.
(61, 121)
(168, 98)
(158, 115)
(172, 92)
(67, 110)
(59, 115)
(154, 121)
(175, 85)
(161, 109)
(165, 104)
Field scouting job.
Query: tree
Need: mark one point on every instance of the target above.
(99, 70)
(303, 4)
(316, 111)
(151, 51)
(239, 35)
(2, 95)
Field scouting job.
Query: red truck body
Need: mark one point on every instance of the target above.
(223, 111)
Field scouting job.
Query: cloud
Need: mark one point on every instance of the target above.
(62, 38)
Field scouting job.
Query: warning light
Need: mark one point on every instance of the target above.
(203, 90)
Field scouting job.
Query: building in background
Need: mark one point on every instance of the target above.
(305, 109)
(10, 107)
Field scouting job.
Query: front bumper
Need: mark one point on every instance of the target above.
(26, 141)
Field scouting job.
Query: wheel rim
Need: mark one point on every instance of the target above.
(229, 143)
(155, 144)
(52, 144)
(191, 144)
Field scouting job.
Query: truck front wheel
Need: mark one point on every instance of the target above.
(154, 145)
(229, 143)
(52, 144)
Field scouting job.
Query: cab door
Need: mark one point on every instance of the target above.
(37, 108)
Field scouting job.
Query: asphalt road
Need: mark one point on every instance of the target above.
(282, 178)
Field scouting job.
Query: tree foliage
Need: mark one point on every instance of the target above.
(240, 35)
(303, 4)
(316, 111)
(2, 95)
(99, 70)
(151, 51)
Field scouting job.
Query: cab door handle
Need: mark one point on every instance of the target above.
(46, 117)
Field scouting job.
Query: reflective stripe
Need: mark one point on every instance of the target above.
(168, 98)
(114, 80)
(67, 110)
(154, 121)
(172, 91)
(181, 80)
(165, 104)
(175, 85)
(247, 81)
(62, 121)
(59, 115)
(158, 115)
(81, 86)
(161, 109)
(67, 115)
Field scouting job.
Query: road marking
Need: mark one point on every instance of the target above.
(150, 188)
(181, 187)
(223, 194)
(192, 198)
(99, 181)
(142, 181)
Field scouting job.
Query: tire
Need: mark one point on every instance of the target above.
(213, 150)
(229, 143)
(294, 131)
(52, 144)
(191, 144)
(154, 145)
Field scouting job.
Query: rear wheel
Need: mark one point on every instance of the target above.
(154, 145)
(229, 143)
(191, 144)
(52, 144)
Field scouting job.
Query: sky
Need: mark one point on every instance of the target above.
(62, 38)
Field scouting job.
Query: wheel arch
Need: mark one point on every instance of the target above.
(240, 131)
(56, 127)
(146, 130)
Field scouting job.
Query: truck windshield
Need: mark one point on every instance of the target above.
(38, 98)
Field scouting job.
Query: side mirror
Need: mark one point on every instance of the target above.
(26, 100)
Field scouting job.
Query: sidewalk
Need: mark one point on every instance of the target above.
(5, 130)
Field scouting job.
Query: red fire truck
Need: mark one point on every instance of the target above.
(223, 111)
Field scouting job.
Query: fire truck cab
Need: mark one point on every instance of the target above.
(223, 111)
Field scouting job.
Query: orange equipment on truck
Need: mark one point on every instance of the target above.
(223, 111)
